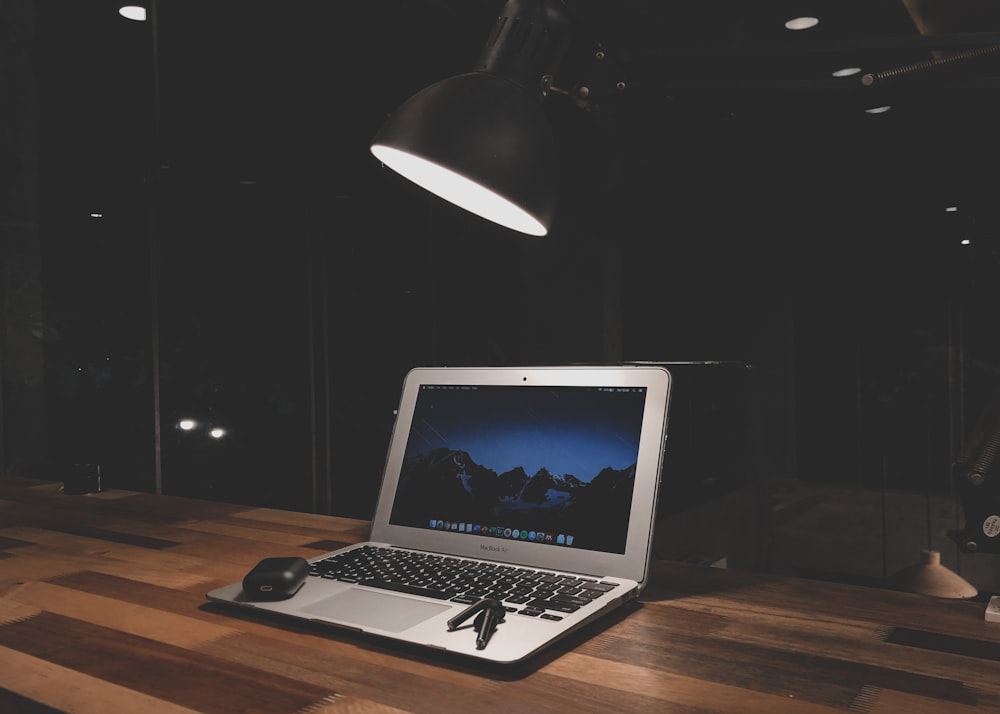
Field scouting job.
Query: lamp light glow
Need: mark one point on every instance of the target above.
(458, 189)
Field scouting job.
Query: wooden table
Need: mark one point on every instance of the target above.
(102, 609)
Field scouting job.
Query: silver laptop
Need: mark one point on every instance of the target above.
(517, 505)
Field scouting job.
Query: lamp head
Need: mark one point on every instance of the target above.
(481, 140)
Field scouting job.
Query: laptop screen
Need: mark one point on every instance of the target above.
(548, 465)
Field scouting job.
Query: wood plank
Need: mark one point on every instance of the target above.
(234, 528)
(103, 520)
(176, 596)
(891, 702)
(159, 671)
(69, 545)
(148, 507)
(938, 642)
(114, 536)
(677, 690)
(30, 565)
(44, 563)
(864, 644)
(255, 530)
(64, 689)
(120, 615)
(13, 611)
(299, 520)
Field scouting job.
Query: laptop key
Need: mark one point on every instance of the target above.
(571, 600)
(542, 604)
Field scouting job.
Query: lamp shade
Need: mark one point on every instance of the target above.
(481, 142)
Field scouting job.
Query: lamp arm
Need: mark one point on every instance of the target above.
(978, 484)
(987, 455)
(916, 69)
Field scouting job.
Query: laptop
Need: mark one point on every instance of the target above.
(526, 495)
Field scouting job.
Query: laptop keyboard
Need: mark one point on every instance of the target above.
(535, 593)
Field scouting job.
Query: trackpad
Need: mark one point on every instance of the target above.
(370, 609)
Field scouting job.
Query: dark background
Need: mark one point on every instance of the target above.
(733, 214)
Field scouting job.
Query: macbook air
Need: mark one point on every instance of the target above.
(517, 505)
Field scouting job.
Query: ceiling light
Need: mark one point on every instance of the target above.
(801, 23)
(951, 209)
(878, 110)
(847, 72)
(966, 241)
(480, 140)
(133, 12)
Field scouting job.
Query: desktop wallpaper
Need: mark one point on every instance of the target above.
(550, 465)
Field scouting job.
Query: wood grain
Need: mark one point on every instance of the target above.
(103, 609)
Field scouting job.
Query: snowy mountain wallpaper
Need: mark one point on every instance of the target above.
(558, 463)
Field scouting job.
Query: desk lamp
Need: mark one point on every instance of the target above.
(978, 483)
(481, 139)
(978, 487)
